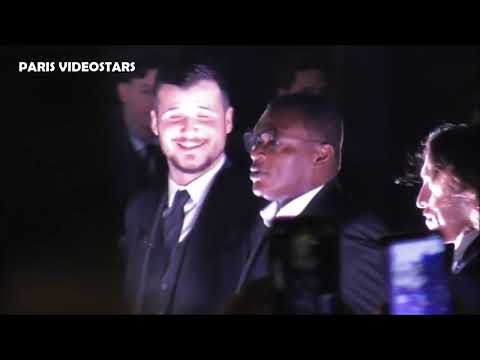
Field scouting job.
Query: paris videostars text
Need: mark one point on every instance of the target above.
(76, 66)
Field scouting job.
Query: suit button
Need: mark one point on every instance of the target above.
(164, 286)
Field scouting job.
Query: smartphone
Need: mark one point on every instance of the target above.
(417, 275)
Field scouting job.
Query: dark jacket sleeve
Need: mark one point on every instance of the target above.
(362, 275)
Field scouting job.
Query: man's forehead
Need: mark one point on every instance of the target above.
(426, 170)
(201, 89)
(441, 177)
(281, 119)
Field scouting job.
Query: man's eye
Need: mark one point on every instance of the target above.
(175, 117)
(268, 140)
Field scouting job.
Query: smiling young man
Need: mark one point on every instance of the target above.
(186, 241)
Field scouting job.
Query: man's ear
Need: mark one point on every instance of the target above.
(154, 122)
(229, 120)
(122, 91)
(323, 153)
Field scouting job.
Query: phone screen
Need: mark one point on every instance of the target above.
(418, 276)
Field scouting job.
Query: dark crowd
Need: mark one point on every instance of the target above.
(243, 180)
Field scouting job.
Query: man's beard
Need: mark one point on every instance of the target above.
(192, 170)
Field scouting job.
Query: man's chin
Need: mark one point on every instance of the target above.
(431, 224)
(189, 168)
(259, 191)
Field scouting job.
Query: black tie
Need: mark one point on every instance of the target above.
(173, 219)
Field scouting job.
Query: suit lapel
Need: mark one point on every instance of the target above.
(148, 238)
(214, 203)
(471, 253)
(328, 202)
(259, 243)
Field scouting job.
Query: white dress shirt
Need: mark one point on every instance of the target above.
(291, 209)
(198, 190)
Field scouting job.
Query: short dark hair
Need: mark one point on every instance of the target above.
(187, 74)
(320, 117)
(453, 147)
(145, 59)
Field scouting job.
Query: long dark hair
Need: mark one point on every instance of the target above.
(449, 147)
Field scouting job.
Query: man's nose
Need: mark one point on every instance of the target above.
(422, 198)
(257, 152)
(188, 124)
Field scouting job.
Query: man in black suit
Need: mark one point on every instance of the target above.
(449, 199)
(186, 241)
(135, 157)
(296, 149)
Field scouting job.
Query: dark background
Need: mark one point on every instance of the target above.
(60, 247)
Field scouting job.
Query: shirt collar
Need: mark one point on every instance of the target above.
(463, 241)
(199, 187)
(292, 209)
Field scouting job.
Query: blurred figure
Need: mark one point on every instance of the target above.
(302, 77)
(136, 159)
(476, 108)
(186, 240)
(449, 200)
(296, 151)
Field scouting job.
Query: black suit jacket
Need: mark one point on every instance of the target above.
(361, 283)
(215, 250)
(465, 284)
(128, 169)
